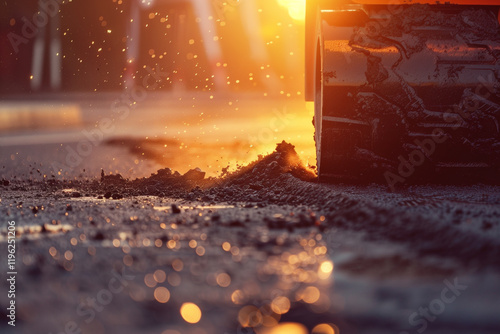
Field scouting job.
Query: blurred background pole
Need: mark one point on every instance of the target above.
(52, 40)
(55, 53)
(133, 44)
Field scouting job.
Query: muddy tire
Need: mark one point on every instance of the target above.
(336, 145)
(403, 91)
(337, 141)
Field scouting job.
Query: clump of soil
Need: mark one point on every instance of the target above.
(265, 181)
(282, 161)
(244, 184)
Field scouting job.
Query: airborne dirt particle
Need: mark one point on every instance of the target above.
(99, 236)
(175, 209)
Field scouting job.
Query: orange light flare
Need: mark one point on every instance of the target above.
(248, 97)
(296, 8)
(293, 125)
(237, 138)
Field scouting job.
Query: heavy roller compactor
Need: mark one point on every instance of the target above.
(403, 86)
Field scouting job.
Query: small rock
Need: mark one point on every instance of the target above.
(175, 209)
(273, 166)
(256, 186)
(207, 198)
(236, 223)
(165, 172)
(112, 178)
(99, 236)
(107, 195)
(76, 194)
(117, 196)
(487, 225)
(195, 174)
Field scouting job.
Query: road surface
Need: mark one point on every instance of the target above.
(257, 247)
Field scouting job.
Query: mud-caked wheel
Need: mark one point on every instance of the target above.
(336, 141)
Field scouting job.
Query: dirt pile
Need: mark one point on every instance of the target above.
(284, 160)
(246, 183)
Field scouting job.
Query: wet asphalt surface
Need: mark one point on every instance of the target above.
(262, 245)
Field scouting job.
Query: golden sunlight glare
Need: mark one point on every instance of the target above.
(296, 8)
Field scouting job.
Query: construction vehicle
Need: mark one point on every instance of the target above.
(398, 85)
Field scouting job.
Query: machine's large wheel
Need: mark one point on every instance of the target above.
(384, 105)
(321, 161)
(336, 142)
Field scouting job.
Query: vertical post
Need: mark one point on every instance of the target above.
(38, 58)
(133, 44)
(55, 53)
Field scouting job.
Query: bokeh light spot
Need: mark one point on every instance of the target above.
(162, 295)
(191, 313)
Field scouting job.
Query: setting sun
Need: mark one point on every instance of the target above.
(296, 8)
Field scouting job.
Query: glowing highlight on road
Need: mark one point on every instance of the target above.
(191, 313)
